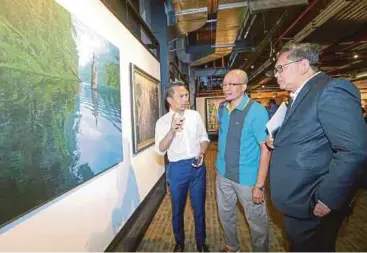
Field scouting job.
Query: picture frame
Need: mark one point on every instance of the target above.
(211, 110)
(146, 107)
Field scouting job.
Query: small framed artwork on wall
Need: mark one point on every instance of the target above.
(146, 107)
(211, 110)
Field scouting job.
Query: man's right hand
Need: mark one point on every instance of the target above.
(177, 124)
(270, 142)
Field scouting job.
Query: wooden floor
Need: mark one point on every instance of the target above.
(159, 236)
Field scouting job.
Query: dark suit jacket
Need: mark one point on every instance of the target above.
(319, 150)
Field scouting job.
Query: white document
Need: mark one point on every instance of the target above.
(277, 120)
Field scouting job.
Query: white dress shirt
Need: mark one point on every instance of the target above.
(185, 144)
(294, 95)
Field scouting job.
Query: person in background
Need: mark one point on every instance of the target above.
(242, 162)
(318, 151)
(181, 134)
(364, 111)
(272, 108)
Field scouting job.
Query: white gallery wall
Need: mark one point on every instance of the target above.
(88, 217)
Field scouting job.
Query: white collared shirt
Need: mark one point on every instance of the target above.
(185, 144)
(294, 95)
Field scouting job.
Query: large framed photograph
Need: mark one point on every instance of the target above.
(146, 106)
(60, 107)
(211, 111)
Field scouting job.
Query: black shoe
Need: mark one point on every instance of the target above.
(179, 248)
(203, 248)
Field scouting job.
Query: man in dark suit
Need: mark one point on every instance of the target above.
(318, 151)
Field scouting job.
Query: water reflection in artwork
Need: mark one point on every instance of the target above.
(60, 108)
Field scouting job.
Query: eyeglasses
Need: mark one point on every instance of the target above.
(279, 68)
(230, 85)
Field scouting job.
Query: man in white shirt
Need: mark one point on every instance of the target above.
(181, 134)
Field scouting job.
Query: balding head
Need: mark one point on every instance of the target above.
(234, 85)
(238, 74)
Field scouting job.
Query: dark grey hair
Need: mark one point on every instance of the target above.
(308, 51)
(171, 85)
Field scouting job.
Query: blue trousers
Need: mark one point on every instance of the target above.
(183, 178)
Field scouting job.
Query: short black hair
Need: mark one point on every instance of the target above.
(171, 85)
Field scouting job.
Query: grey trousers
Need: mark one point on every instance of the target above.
(228, 192)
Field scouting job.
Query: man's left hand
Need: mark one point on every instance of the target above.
(257, 195)
(201, 157)
(321, 209)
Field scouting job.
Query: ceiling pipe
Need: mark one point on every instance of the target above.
(244, 24)
(362, 75)
(335, 7)
(268, 62)
(233, 55)
(308, 9)
(362, 31)
(324, 16)
(248, 29)
(264, 42)
(363, 41)
(261, 69)
(344, 66)
(244, 37)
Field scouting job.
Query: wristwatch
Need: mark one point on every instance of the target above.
(261, 187)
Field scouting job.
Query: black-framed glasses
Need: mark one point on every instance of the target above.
(279, 68)
(230, 85)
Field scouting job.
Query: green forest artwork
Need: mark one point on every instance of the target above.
(212, 106)
(60, 108)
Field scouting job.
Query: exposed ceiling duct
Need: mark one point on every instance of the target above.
(252, 5)
(260, 5)
(229, 21)
(188, 57)
(193, 14)
(189, 22)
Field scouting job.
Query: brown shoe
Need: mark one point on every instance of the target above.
(227, 249)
